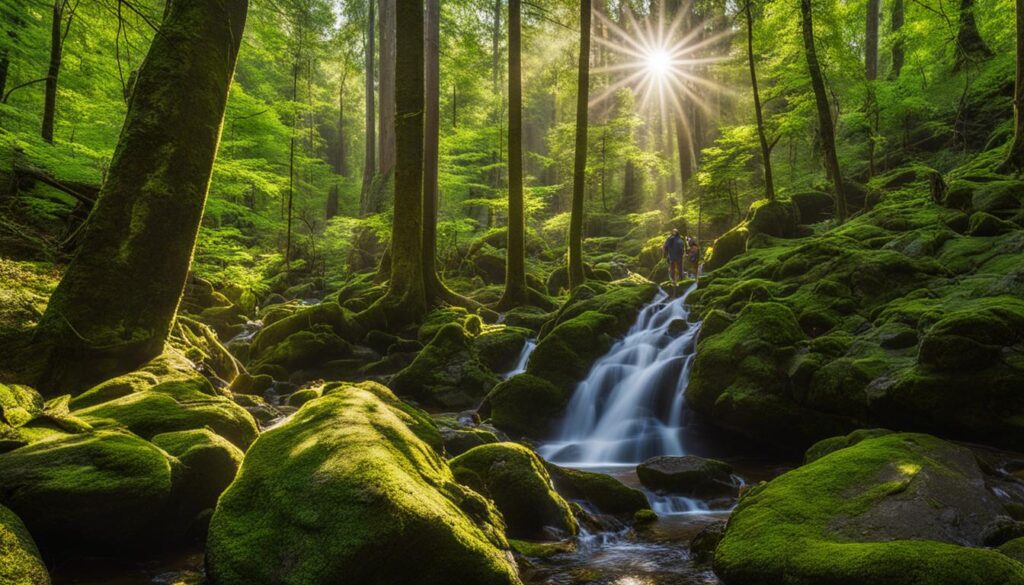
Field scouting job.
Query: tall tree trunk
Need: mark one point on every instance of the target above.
(870, 75)
(1015, 157)
(684, 145)
(515, 259)
(370, 142)
(342, 164)
(896, 28)
(333, 200)
(766, 151)
(115, 305)
(970, 47)
(495, 46)
(291, 173)
(431, 131)
(56, 52)
(386, 150)
(825, 129)
(406, 298)
(579, 175)
(5, 63)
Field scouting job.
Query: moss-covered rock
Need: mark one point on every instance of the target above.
(91, 491)
(304, 349)
(728, 246)
(20, 563)
(525, 405)
(773, 218)
(498, 347)
(814, 206)
(515, 479)
(446, 373)
(330, 495)
(894, 509)
(602, 491)
(985, 224)
(688, 475)
(329, 314)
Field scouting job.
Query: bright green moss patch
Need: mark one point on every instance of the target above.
(209, 464)
(873, 514)
(605, 493)
(20, 563)
(515, 479)
(446, 372)
(333, 493)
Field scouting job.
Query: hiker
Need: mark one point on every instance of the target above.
(673, 250)
(692, 264)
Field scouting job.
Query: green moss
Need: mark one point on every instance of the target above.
(88, 491)
(774, 218)
(303, 349)
(499, 346)
(19, 404)
(329, 314)
(834, 521)
(1014, 549)
(114, 388)
(376, 488)
(728, 246)
(515, 479)
(525, 404)
(832, 444)
(565, 354)
(209, 465)
(541, 550)
(300, 397)
(20, 563)
(437, 319)
(418, 421)
(446, 372)
(605, 493)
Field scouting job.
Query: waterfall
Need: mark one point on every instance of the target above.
(630, 406)
(522, 360)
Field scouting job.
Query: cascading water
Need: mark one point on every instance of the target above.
(522, 360)
(630, 406)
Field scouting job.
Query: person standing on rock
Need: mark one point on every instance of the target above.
(673, 250)
(691, 266)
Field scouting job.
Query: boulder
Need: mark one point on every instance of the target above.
(340, 489)
(93, 491)
(515, 479)
(602, 491)
(499, 347)
(525, 404)
(814, 206)
(986, 225)
(703, 545)
(727, 246)
(688, 475)
(900, 508)
(773, 218)
(308, 348)
(461, 439)
(447, 373)
(20, 563)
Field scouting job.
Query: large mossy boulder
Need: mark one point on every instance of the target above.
(308, 348)
(328, 313)
(773, 218)
(602, 491)
(498, 347)
(20, 563)
(447, 372)
(814, 206)
(525, 404)
(93, 491)
(514, 478)
(209, 464)
(346, 492)
(688, 475)
(728, 246)
(899, 509)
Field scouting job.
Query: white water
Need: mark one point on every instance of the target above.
(523, 359)
(630, 406)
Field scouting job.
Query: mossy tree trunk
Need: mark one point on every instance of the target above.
(970, 47)
(579, 175)
(1015, 157)
(766, 150)
(370, 128)
(897, 17)
(58, 32)
(5, 64)
(825, 128)
(870, 75)
(431, 138)
(515, 258)
(386, 136)
(115, 305)
(406, 298)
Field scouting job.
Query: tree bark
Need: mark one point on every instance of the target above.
(579, 176)
(825, 129)
(1015, 158)
(515, 260)
(56, 52)
(386, 150)
(5, 63)
(495, 46)
(766, 151)
(898, 53)
(431, 131)
(115, 305)
(970, 47)
(370, 142)
(406, 299)
(871, 40)
(333, 197)
(342, 164)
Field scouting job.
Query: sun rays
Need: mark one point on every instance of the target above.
(664, 62)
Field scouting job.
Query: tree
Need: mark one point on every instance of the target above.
(1015, 157)
(369, 156)
(114, 307)
(826, 131)
(431, 138)
(870, 75)
(386, 137)
(896, 28)
(58, 32)
(766, 149)
(5, 63)
(516, 292)
(970, 47)
(579, 175)
(406, 298)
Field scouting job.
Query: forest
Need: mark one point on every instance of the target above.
(512, 292)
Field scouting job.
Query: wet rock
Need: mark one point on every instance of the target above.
(361, 484)
(499, 347)
(703, 545)
(688, 475)
(605, 493)
(515, 479)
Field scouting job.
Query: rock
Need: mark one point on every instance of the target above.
(525, 405)
(459, 440)
(332, 494)
(703, 545)
(437, 319)
(677, 327)
(605, 493)
(302, 396)
(773, 218)
(499, 347)
(833, 444)
(688, 475)
(986, 225)
(728, 246)
(814, 206)
(20, 563)
(304, 349)
(210, 463)
(899, 508)
(251, 385)
(1014, 549)
(446, 373)
(514, 478)
(115, 388)
(305, 319)
(996, 196)
(489, 263)
(93, 491)
(532, 318)
(19, 404)
(971, 338)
